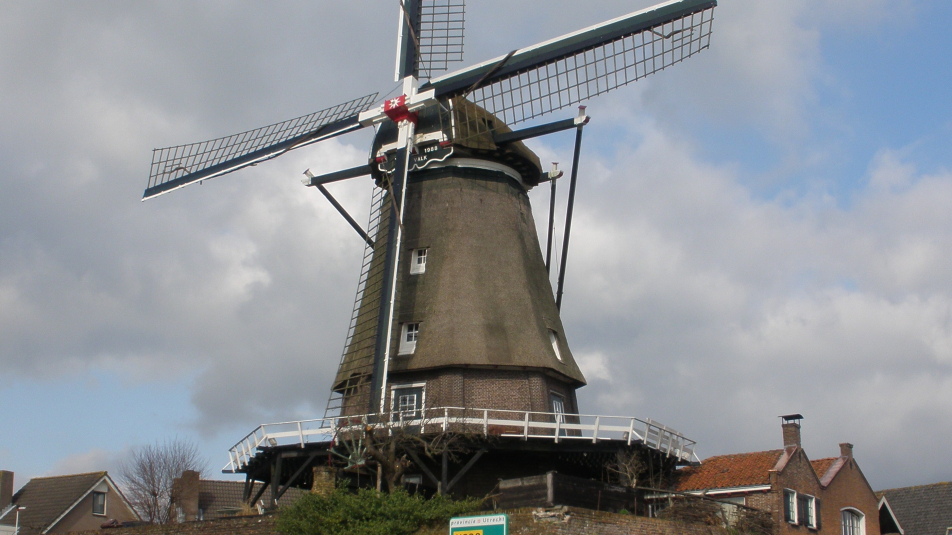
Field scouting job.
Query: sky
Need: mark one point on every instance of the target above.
(761, 230)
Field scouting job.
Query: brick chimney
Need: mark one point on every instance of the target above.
(185, 496)
(791, 435)
(791, 429)
(6, 488)
(846, 450)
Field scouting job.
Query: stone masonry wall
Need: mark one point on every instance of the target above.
(568, 521)
(243, 525)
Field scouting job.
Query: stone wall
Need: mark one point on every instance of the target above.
(242, 525)
(526, 521)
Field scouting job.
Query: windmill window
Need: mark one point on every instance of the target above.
(418, 262)
(554, 340)
(406, 401)
(408, 338)
(558, 408)
(99, 503)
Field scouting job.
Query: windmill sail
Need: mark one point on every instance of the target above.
(181, 165)
(430, 36)
(441, 35)
(575, 67)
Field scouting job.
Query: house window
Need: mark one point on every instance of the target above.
(418, 262)
(852, 522)
(554, 340)
(99, 503)
(406, 401)
(408, 338)
(807, 511)
(790, 506)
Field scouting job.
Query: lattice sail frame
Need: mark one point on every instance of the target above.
(351, 387)
(579, 76)
(441, 26)
(180, 165)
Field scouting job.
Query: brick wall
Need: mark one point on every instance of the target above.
(489, 389)
(798, 475)
(567, 521)
(849, 489)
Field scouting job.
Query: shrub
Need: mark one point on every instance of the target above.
(368, 513)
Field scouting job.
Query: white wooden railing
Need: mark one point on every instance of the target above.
(524, 424)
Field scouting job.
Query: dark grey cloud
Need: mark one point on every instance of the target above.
(691, 298)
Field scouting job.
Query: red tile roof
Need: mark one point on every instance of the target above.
(724, 471)
(820, 466)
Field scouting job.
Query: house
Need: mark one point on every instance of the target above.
(804, 496)
(922, 510)
(62, 504)
(195, 499)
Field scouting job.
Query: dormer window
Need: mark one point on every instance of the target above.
(418, 262)
(554, 340)
(99, 503)
(408, 338)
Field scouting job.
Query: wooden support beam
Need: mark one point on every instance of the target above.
(296, 475)
(260, 492)
(446, 468)
(249, 486)
(466, 468)
(275, 480)
(419, 463)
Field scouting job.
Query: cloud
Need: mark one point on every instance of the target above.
(718, 276)
(94, 460)
(697, 301)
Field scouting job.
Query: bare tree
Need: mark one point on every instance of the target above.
(147, 475)
(387, 446)
(628, 468)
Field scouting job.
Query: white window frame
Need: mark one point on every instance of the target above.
(810, 520)
(99, 493)
(393, 393)
(407, 347)
(853, 512)
(554, 340)
(418, 261)
(790, 504)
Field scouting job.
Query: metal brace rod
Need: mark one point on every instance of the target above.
(354, 224)
(571, 206)
(319, 181)
(541, 130)
(548, 240)
(336, 176)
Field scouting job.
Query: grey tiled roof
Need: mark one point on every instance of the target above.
(922, 510)
(223, 498)
(46, 498)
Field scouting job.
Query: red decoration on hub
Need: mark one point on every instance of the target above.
(396, 109)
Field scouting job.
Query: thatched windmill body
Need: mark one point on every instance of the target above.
(454, 306)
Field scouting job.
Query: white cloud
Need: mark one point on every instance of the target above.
(691, 297)
(94, 460)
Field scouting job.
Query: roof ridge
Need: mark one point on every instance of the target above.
(742, 454)
(99, 473)
(918, 486)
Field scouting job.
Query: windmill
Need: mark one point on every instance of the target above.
(454, 306)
